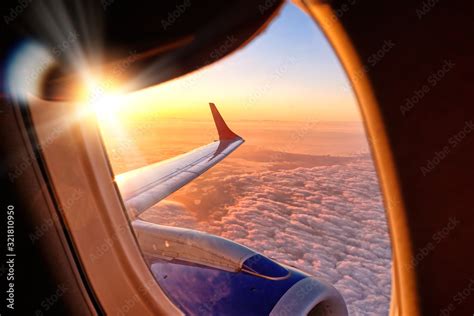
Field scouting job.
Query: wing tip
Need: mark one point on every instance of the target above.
(225, 133)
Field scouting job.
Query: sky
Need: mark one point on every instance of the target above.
(302, 189)
(288, 73)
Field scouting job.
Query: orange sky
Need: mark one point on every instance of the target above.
(289, 73)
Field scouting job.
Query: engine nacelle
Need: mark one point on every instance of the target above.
(311, 297)
(195, 268)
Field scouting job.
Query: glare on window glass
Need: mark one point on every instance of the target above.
(301, 190)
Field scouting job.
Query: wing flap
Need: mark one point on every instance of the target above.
(144, 187)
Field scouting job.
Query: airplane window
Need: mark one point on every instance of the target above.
(278, 165)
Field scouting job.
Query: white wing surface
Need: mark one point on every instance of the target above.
(144, 187)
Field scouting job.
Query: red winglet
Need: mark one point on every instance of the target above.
(224, 131)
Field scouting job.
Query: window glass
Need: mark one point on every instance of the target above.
(301, 190)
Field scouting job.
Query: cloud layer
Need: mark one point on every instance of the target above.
(326, 219)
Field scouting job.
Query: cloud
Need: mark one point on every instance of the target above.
(325, 219)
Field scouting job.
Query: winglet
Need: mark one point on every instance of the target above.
(224, 131)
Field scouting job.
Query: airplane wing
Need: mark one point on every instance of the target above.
(195, 268)
(144, 187)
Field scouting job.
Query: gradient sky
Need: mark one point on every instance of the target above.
(289, 72)
(283, 192)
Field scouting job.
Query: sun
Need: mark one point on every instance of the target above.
(104, 99)
(107, 106)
